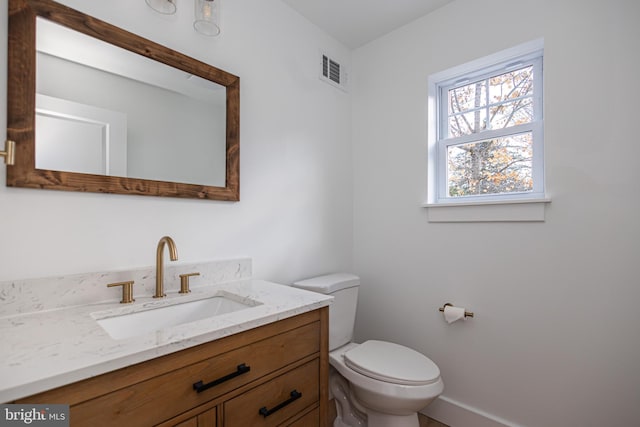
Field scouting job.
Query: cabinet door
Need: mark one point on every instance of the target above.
(310, 419)
(205, 419)
(274, 402)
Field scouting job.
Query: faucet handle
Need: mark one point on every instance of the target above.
(184, 282)
(127, 291)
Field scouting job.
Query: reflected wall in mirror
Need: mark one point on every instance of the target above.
(95, 108)
(124, 114)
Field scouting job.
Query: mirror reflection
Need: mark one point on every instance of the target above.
(105, 110)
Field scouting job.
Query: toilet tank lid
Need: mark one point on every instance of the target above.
(329, 283)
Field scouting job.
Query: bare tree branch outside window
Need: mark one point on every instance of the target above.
(497, 165)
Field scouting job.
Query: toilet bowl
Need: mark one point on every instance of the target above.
(376, 383)
(390, 381)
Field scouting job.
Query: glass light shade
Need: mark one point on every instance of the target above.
(207, 16)
(166, 7)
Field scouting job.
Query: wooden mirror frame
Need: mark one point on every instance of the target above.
(21, 106)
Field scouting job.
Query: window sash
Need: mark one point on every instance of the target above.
(534, 60)
(537, 169)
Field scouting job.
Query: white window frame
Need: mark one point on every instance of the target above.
(440, 83)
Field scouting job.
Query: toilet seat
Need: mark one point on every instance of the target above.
(392, 363)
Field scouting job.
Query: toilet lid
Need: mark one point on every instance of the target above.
(392, 363)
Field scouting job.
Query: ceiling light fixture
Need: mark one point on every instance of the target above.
(207, 14)
(207, 17)
(166, 7)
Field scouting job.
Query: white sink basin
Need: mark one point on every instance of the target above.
(120, 326)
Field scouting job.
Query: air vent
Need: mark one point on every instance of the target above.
(333, 73)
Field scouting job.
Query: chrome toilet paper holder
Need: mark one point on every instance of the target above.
(466, 313)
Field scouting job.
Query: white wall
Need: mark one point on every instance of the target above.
(295, 214)
(555, 340)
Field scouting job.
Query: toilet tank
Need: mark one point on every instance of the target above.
(342, 311)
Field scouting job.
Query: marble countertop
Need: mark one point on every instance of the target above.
(47, 349)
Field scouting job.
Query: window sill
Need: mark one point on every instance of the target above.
(490, 211)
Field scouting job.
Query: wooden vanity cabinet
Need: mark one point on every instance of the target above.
(273, 375)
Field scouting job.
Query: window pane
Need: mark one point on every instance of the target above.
(511, 85)
(511, 113)
(494, 166)
(467, 123)
(468, 97)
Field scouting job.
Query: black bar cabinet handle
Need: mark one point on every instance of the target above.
(241, 369)
(295, 395)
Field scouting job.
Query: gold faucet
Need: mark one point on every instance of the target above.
(173, 254)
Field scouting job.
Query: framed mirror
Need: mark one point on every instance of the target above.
(95, 108)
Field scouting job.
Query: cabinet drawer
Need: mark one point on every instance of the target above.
(272, 403)
(160, 398)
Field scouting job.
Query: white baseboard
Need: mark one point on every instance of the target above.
(456, 414)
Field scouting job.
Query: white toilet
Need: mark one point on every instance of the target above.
(376, 383)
